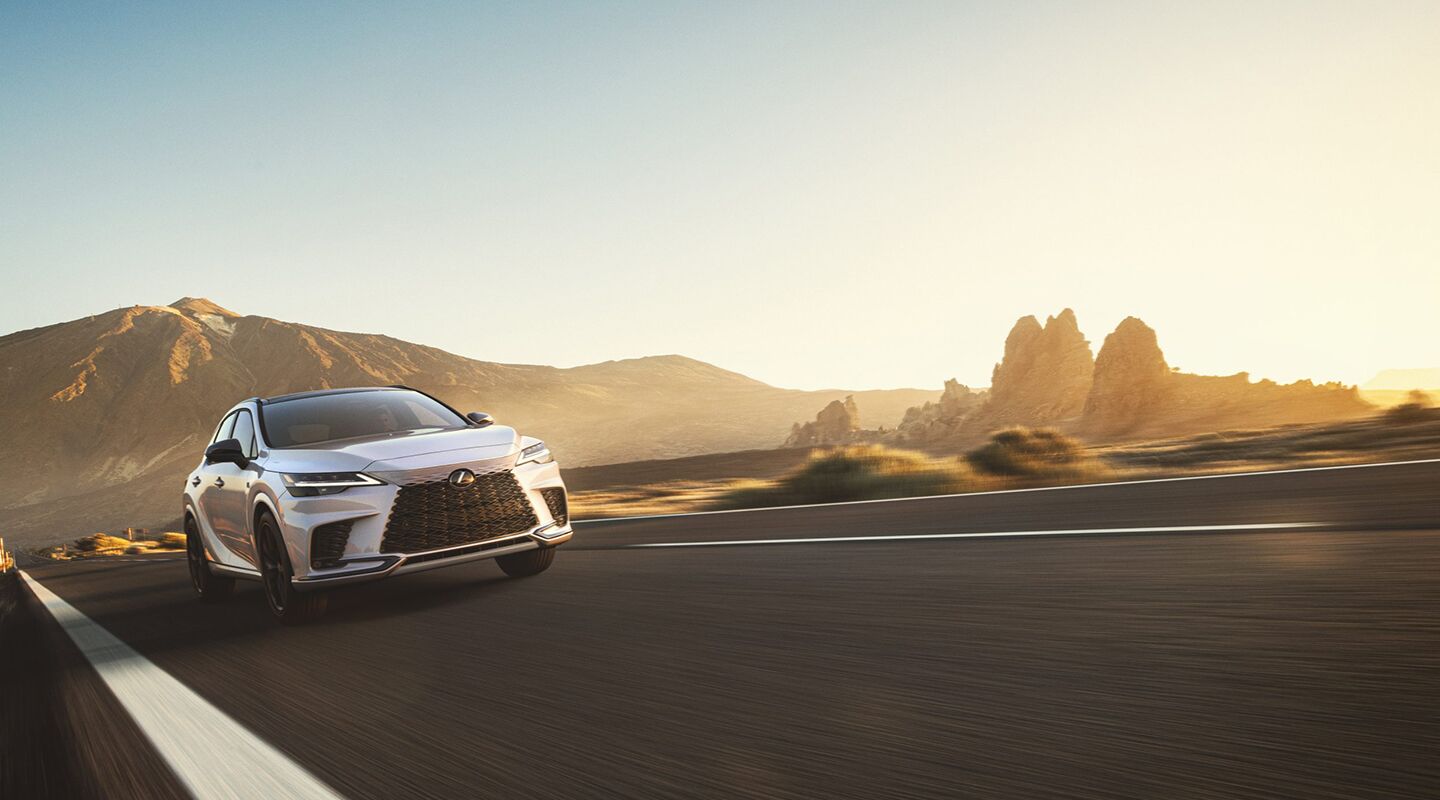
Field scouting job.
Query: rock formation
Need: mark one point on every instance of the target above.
(1131, 380)
(938, 422)
(1048, 378)
(1043, 379)
(1136, 394)
(837, 423)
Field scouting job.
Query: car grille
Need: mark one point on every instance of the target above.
(327, 543)
(555, 501)
(429, 516)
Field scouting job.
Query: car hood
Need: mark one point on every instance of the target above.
(399, 451)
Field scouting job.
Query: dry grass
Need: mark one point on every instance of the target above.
(103, 544)
(1386, 398)
(101, 541)
(1415, 409)
(865, 472)
(1036, 454)
(1387, 437)
(1013, 458)
(1016, 459)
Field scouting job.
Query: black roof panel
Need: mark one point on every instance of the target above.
(322, 392)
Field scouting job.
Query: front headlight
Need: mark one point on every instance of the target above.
(538, 453)
(312, 484)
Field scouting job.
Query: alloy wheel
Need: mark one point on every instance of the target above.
(195, 555)
(272, 568)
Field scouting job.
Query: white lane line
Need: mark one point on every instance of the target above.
(1015, 491)
(111, 560)
(212, 754)
(108, 560)
(1264, 526)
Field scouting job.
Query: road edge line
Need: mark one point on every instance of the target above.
(899, 537)
(1102, 484)
(210, 753)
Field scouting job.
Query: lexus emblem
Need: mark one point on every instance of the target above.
(462, 478)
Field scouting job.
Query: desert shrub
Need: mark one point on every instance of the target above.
(1032, 453)
(101, 541)
(1416, 408)
(860, 472)
(171, 541)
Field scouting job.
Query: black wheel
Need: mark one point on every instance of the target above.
(209, 587)
(530, 562)
(287, 604)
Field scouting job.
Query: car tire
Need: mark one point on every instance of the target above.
(209, 587)
(285, 602)
(530, 562)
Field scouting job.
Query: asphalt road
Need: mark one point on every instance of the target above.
(1243, 664)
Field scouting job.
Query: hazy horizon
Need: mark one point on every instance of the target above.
(813, 197)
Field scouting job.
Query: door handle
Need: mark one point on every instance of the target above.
(220, 482)
(195, 482)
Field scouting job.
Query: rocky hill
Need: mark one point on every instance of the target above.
(1131, 381)
(1047, 378)
(837, 423)
(1043, 379)
(939, 421)
(104, 415)
(1137, 395)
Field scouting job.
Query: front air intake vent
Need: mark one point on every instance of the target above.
(556, 502)
(327, 543)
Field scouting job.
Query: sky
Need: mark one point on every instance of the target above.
(857, 195)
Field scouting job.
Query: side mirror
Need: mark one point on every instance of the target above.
(226, 451)
(480, 418)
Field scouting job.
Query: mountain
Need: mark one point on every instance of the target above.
(1391, 387)
(1403, 380)
(105, 415)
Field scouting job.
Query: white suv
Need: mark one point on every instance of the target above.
(308, 491)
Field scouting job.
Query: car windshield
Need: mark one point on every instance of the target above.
(305, 421)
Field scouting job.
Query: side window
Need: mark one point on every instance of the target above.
(226, 425)
(245, 432)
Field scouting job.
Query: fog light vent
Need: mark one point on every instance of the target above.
(556, 502)
(327, 543)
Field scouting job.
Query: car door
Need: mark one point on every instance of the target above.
(210, 490)
(230, 485)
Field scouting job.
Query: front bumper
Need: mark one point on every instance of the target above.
(364, 568)
(366, 510)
